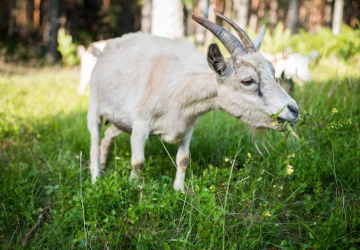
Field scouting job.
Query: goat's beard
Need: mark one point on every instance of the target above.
(262, 135)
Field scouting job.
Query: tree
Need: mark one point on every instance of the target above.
(52, 53)
(202, 8)
(241, 12)
(146, 16)
(292, 18)
(273, 17)
(167, 18)
(328, 13)
(337, 17)
(124, 24)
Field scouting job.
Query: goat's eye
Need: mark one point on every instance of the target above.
(248, 82)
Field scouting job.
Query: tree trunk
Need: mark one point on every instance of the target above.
(12, 10)
(146, 16)
(328, 13)
(74, 20)
(36, 14)
(200, 10)
(227, 13)
(124, 17)
(52, 53)
(241, 12)
(219, 7)
(188, 21)
(292, 18)
(167, 18)
(254, 17)
(355, 13)
(209, 37)
(273, 14)
(337, 17)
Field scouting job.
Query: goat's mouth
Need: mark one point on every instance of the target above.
(282, 121)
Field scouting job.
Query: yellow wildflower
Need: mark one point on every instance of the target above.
(226, 159)
(290, 170)
(268, 214)
(249, 155)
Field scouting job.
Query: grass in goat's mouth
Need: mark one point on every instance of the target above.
(282, 121)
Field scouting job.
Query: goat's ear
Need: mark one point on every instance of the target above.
(258, 40)
(215, 59)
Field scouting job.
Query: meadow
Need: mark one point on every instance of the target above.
(302, 195)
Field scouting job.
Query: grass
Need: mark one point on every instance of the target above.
(251, 202)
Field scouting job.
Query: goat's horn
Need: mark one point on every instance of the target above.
(231, 43)
(248, 44)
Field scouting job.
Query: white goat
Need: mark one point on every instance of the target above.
(88, 61)
(294, 65)
(147, 85)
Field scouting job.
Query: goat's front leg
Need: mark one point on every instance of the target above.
(139, 136)
(182, 161)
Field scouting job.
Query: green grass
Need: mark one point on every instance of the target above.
(44, 153)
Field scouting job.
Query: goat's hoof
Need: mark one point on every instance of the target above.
(133, 175)
(95, 178)
(182, 189)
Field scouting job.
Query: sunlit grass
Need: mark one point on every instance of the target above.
(302, 195)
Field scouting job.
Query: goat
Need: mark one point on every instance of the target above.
(147, 85)
(294, 65)
(88, 61)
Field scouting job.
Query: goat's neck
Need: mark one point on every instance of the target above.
(200, 94)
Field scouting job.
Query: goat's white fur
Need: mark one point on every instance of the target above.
(147, 85)
(88, 61)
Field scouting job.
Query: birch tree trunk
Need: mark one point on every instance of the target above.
(241, 12)
(337, 17)
(167, 18)
(292, 18)
(146, 16)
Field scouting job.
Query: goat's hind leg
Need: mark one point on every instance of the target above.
(94, 125)
(110, 134)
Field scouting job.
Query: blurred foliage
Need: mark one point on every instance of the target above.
(345, 46)
(67, 49)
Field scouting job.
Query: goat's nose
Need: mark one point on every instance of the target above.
(294, 109)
